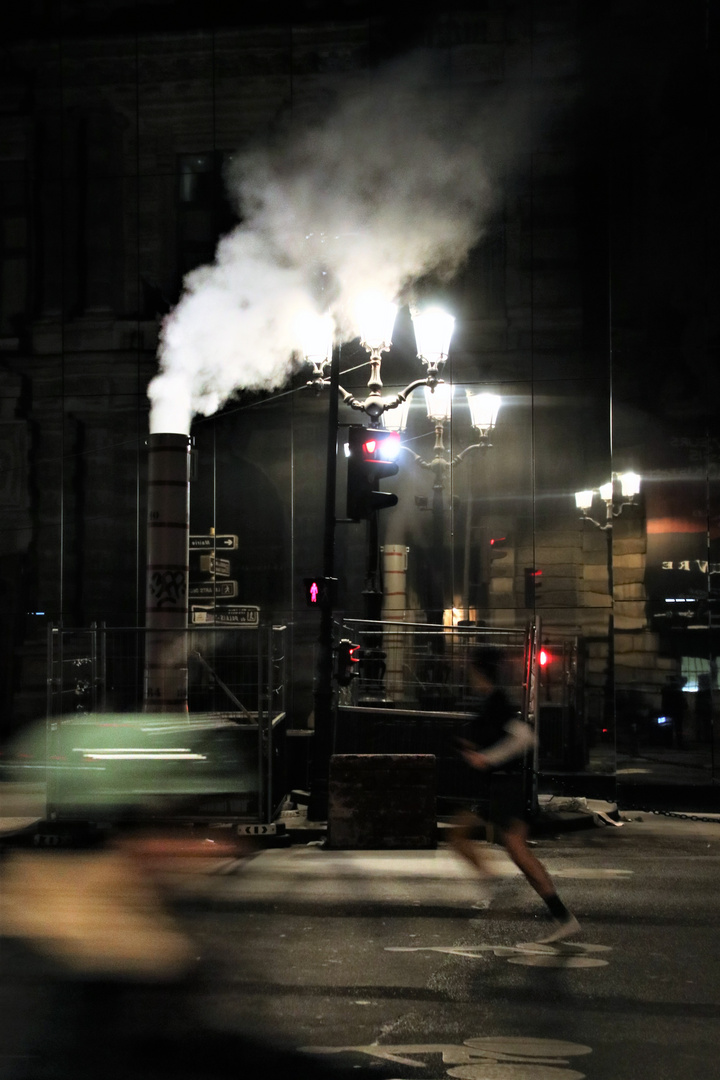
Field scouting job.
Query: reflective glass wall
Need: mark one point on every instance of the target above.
(584, 306)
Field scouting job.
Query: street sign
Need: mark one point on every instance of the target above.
(210, 564)
(229, 615)
(238, 616)
(206, 590)
(259, 830)
(212, 543)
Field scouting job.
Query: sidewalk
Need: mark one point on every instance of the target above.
(22, 807)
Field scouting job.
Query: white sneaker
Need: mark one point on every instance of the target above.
(563, 929)
(486, 892)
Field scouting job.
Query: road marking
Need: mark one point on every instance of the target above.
(588, 873)
(491, 1058)
(529, 954)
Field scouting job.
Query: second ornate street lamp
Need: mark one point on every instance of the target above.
(620, 491)
(484, 408)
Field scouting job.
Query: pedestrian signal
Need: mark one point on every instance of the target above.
(319, 591)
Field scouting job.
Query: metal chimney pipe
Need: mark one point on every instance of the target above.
(166, 608)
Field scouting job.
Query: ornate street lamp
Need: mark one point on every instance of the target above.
(375, 317)
(484, 408)
(620, 491)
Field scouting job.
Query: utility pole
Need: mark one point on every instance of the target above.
(323, 739)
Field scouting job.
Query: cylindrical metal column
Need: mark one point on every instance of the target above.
(394, 607)
(166, 610)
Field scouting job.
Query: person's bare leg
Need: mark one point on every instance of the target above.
(514, 838)
(461, 839)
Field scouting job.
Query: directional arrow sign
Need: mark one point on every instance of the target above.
(211, 543)
(203, 590)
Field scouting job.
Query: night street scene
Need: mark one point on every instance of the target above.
(360, 543)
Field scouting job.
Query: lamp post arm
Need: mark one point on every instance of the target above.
(403, 395)
(434, 464)
(463, 453)
(617, 510)
(605, 527)
(416, 456)
(351, 400)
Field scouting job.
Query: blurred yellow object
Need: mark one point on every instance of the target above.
(97, 912)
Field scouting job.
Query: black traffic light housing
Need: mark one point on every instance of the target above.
(371, 456)
(347, 659)
(533, 584)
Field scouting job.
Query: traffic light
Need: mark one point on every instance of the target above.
(371, 456)
(498, 548)
(533, 584)
(347, 658)
(319, 591)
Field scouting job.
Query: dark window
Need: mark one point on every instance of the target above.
(13, 246)
(204, 213)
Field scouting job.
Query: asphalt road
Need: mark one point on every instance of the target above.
(378, 963)
(378, 960)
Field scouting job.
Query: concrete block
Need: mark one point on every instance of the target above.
(631, 545)
(636, 591)
(628, 562)
(623, 576)
(382, 801)
(595, 572)
(596, 599)
(552, 556)
(631, 608)
(629, 622)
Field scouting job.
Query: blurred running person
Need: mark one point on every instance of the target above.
(504, 738)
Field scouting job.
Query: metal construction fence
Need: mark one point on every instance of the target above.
(107, 749)
(423, 666)
(411, 693)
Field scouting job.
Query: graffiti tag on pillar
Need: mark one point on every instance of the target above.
(167, 587)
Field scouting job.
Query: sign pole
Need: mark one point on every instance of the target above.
(323, 695)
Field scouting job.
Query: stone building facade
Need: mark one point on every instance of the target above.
(582, 305)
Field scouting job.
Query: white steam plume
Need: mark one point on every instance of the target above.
(394, 181)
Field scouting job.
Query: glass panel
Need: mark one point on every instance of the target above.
(568, 577)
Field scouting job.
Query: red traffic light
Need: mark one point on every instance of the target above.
(498, 547)
(381, 446)
(347, 655)
(544, 657)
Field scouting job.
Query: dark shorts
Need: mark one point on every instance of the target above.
(502, 799)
